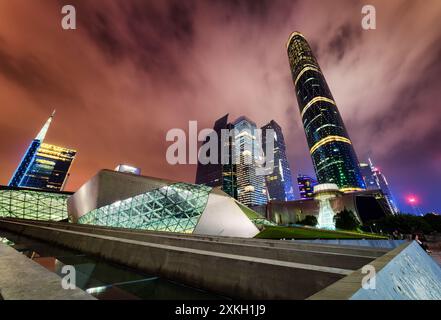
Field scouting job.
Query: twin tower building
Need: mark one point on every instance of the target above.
(331, 149)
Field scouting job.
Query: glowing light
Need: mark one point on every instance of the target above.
(313, 68)
(327, 140)
(349, 190)
(412, 200)
(295, 33)
(314, 101)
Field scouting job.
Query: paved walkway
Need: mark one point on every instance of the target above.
(24, 279)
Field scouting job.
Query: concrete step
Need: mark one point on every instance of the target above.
(233, 275)
(288, 252)
(331, 248)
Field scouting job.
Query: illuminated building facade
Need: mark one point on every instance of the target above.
(229, 169)
(279, 182)
(331, 149)
(306, 186)
(367, 205)
(123, 200)
(23, 203)
(251, 187)
(383, 185)
(368, 176)
(44, 166)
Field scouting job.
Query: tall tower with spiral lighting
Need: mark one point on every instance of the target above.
(332, 152)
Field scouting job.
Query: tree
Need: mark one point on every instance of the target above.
(309, 221)
(346, 220)
(407, 223)
(434, 221)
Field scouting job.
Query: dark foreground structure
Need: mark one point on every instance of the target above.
(249, 268)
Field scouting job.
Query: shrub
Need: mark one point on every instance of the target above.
(346, 220)
(309, 221)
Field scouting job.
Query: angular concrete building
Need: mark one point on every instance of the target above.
(124, 200)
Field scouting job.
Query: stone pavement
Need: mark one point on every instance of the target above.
(24, 279)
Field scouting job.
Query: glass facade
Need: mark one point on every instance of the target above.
(34, 205)
(25, 164)
(174, 208)
(331, 149)
(251, 187)
(368, 176)
(279, 182)
(223, 173)
(49, 168)
(44, 166)
(383, 185)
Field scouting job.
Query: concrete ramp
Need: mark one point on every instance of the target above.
(234, 267)
(24, 279)
(405, 273)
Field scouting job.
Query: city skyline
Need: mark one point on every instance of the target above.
(116, 100)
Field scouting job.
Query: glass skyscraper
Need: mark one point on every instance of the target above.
(251, 188)
(279, 182)
(331, 149)
(368, 176)
(376, 180)
(223, 173)
(44, 166)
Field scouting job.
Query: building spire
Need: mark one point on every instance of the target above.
(42, 134)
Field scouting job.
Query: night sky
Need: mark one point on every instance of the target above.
(135, 69)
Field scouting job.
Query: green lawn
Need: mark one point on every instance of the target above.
(278, 232)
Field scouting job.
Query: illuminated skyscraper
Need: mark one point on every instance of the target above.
(368, 176)
(382, 184)
(279, 182)
(44, 166)
(251, 188)
(331, 149)
(306, 186)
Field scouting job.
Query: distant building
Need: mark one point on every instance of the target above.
(376, 180)
(223, 173)
(384, 186)
(128, 169)
(240, 172)
(306, 186)
(44, 166)
(367, 205)
(368, 176)
(279, 182)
